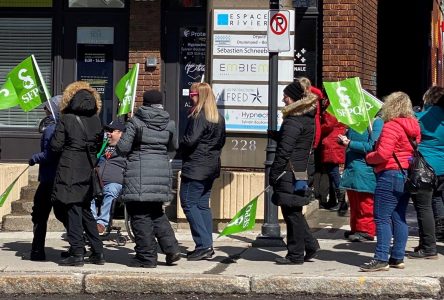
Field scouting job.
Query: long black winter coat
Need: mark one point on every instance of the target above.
(201, 147)
(73, 176)
(148, 176)
(294, 143)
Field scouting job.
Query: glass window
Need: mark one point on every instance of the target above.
(26, 3)
(97, 3)
(19, 38)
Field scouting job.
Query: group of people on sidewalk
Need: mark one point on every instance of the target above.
(136, 166)
(373, 180)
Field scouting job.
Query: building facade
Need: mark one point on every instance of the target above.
(176, 43)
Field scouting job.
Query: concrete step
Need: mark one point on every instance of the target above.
(27, 193)
(24, 223)
(21, 207)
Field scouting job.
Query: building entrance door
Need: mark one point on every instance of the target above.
(95, 50)
(183, 52)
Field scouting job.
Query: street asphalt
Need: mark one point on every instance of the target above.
(236, 268)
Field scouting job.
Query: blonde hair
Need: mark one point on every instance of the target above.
(207, 102)
(305, 83)
(432, 95)
(194, 86)
(396, 105)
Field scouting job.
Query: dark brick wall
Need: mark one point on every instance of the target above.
(144, 41)
(350, 41)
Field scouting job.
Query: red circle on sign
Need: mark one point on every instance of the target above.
(278, 24)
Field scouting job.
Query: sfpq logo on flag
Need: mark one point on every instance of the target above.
(347, 101)
(126, 90)
(245, 219)
(8, 97)
(28, 84)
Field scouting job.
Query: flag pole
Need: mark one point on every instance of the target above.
(135, 91)
(361, 93)
(45, 89)
(5, 194)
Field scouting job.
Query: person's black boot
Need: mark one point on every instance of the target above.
(96, 258)
(73, 260)
(67, 253)
(343, 206)
(439, 229)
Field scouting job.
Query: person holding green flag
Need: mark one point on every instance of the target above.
(294, 156)
(47, 161)
(359, 180)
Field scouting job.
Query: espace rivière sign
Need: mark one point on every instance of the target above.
(245, 45)
(244, 20)
(249, 70)
(247, 120)
(244, 95)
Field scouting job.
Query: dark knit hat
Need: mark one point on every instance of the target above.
(294, 90)
(152, 97)
(117, 124)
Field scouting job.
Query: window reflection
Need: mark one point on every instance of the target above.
(185, 3)
(97, 3)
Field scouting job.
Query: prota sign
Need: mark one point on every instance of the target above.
(278, 30)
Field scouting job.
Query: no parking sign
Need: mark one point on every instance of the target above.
(278, 30)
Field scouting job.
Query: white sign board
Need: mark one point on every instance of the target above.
(249, 69)
(95, 35)
(244, 20)
(245, 45)
(247, 120)
(240, 20)
(279, 31)
(244, 95)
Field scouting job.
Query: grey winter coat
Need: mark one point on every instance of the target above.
(145, 143)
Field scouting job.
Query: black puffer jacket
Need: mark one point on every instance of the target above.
(73, 176)
(201, 146)
(148, 176)
(294, 143)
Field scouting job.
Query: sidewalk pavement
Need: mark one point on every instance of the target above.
(236, 268)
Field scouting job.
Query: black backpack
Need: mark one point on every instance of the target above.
(420, 175)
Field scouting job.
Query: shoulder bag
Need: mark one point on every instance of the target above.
(420, 175)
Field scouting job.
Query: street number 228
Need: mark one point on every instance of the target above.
(243, 145)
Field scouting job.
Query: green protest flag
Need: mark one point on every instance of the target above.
(102, 149)
(5, 194)
(8, 97)
(28, 84)
(126, 90)
(372, 104)
(245, 219)
(347, 101)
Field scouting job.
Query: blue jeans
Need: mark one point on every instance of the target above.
(333, 174)
(390, 209)
(195, 202)
(110, 192)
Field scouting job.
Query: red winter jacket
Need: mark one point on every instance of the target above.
(331, 150)
(393, 138)
(317, 137)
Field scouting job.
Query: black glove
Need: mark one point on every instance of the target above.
(31, 162)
